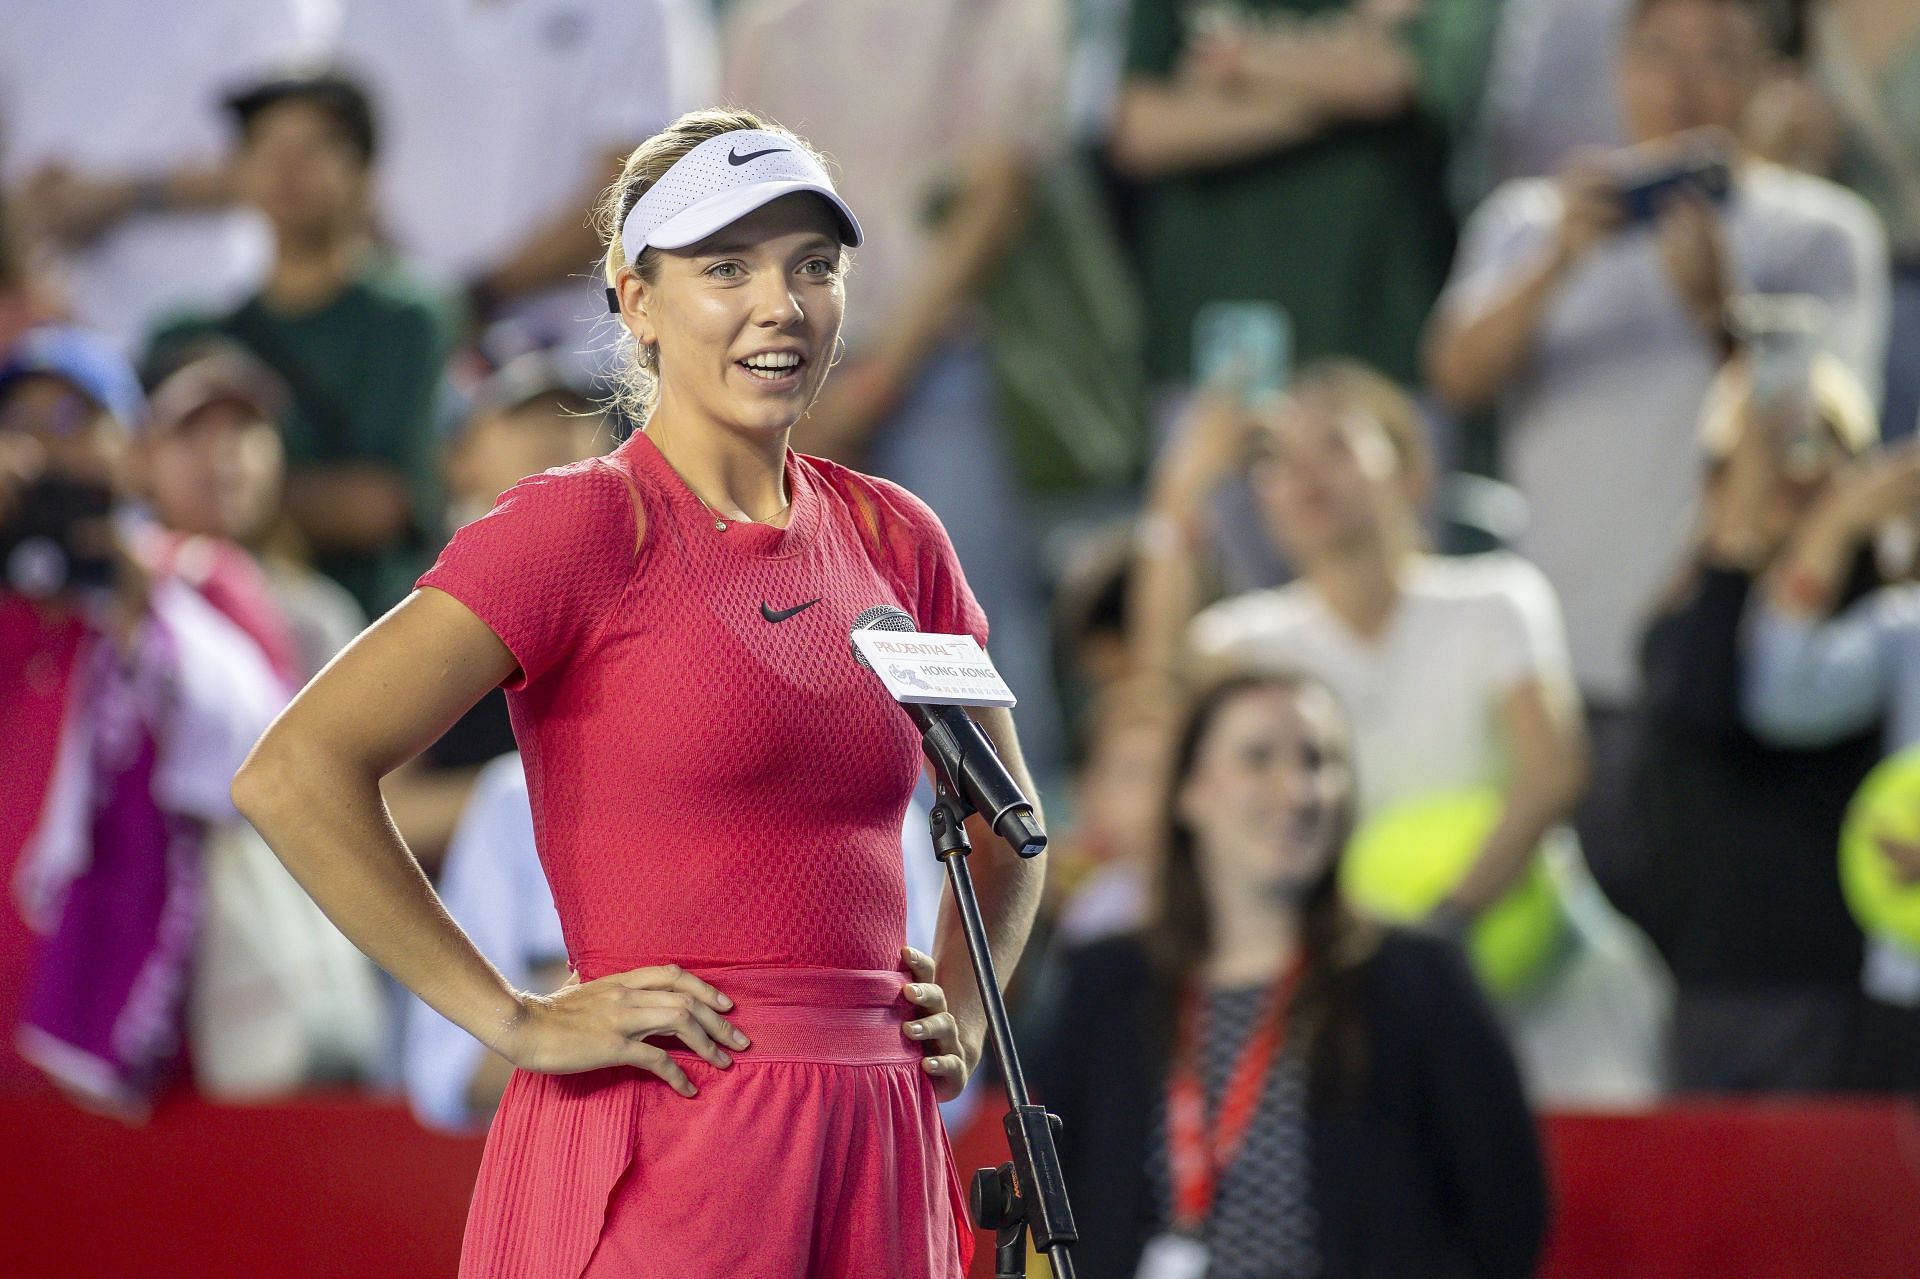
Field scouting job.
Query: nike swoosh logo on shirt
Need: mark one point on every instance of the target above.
(784, 613)
(734, 157)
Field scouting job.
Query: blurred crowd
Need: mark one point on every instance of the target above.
(1463, 442)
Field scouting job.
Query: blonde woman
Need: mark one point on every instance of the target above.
(717, 789)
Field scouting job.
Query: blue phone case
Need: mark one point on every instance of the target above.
(1642, 196)
(1243, 346)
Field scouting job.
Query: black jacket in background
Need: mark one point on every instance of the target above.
(478, 737)
(1435, 1174)
(1741, 837)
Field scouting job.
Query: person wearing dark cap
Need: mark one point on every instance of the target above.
(212, 470)
(361, 343)
(531, 416)
(126, 702)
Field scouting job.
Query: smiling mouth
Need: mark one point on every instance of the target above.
(1304, 829)
(773, 368)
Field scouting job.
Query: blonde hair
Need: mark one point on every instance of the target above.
(1380, 398)
(633, 373)
(1839, 401)
(1357, 389)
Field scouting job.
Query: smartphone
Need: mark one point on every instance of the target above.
(1243, 349)
(1781, 333)
(1645, 188)
(43, 550)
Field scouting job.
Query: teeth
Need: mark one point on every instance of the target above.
(781, 361)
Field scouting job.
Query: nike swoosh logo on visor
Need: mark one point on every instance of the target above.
(784, 613)
(734, 157)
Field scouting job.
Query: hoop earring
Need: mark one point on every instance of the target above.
(650, 357)
(839, 351)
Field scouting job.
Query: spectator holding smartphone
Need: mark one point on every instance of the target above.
(1453, 674)
(126, 702)
(1824, 667)
(1740, 831)
(1595, 338)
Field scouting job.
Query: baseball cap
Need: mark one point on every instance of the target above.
(721, 181)
(83, 360)
(224, 376)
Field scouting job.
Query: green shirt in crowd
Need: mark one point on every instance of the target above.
(365, 371)
(1349, 231)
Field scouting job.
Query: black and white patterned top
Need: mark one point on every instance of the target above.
(1263, 1223)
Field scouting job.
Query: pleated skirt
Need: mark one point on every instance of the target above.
(819, 1154)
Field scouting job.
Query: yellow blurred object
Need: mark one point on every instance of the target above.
(1404, 861)
(1887, 806)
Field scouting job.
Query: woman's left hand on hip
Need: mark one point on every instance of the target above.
(937, 1033)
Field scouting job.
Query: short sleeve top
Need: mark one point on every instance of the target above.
(1425, 696)
(713, 779)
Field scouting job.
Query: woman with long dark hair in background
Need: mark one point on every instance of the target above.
(1320, 1096)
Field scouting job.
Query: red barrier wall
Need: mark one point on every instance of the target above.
(1738, 1191)
(321, 1188)
(330, 1187)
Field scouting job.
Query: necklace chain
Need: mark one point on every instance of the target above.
(720, 521)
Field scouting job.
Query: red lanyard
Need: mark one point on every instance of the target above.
(1198, 1159)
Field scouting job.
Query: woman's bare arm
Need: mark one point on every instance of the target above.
(1548, 744)
(1209, 444)
(312, 789)
(1162, 128)
(1472, 352)
(1286, 89)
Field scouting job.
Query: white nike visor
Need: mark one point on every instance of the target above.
(721, 181)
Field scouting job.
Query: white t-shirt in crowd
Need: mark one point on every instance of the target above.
(1599, 426)
(118, 88)
(1425, 696)
(1551, 86)
(496, 118)
(976, 72)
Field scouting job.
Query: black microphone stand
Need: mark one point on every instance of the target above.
(1026, 1194)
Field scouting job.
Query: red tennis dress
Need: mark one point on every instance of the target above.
(716, 783)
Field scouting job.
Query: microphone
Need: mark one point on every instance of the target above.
(962, 752)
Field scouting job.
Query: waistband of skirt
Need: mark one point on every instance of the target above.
(840, 1016)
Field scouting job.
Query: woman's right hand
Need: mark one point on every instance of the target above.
(1208, 445)
(1749, 511)
(1867, 493)
(1589, 203)
(1872, 490)
(607, 1022)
